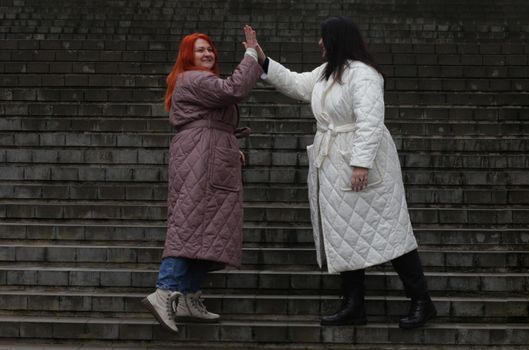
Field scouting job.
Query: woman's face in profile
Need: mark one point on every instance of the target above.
(322, 47)
(204, 55)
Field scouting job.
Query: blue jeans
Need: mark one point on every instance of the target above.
(182, 274)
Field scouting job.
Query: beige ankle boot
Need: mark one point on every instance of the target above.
(160, 304)
(191, 308)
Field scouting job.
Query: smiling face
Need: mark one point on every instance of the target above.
(204, 55)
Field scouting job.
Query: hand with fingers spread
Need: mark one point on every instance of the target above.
(359, 179)
(251, 42)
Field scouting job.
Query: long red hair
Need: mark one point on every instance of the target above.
(186, 61)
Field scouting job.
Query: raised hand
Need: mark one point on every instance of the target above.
(251, 42)
(250, 38)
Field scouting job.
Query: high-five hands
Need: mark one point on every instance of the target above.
(251, 42)
(250, 38)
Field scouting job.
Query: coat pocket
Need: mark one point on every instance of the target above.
(225, 171)
(374, 176)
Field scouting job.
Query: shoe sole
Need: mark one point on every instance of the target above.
(153, 311)
(418, 325)
(196, 319)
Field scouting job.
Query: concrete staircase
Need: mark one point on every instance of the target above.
(83, 153)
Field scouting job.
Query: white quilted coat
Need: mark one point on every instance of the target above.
(352, 230)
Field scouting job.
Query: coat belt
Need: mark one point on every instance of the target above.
(208, 123)
(329, 133)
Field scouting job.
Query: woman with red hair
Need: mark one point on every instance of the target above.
(204, 219)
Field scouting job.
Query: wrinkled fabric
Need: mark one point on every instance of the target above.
(205, 215)
(182, 275)
(352, 230)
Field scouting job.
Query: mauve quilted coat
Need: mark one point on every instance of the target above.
(205, 215)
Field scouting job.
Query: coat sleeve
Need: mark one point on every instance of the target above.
(210, 91)
(367, 95)
(296, 85)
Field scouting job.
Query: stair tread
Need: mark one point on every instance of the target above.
(254, 204)
(247, 225)
(118, 267)
(56, 244)
(248, 322)
(100, 292)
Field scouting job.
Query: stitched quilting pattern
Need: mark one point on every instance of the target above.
(204, 206)
(358, 230)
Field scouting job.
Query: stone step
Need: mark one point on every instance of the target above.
(500, 70)
(227, 48)
(251, 333)
(482, 258)
(256, 141)
(50, 344)
(84, 231)
(254, 281)
(254, 158)
(139, 112)
(400, 77)
(142, 13)
(379, 307)
(255, 175)
(371, 31)
(496, 60)
(253, 193)
(163, 49)
(391, 56)
(163, 24)
(289, 126)
(466, 194)
(47, 69)
(383, 33)
(254, 212)
(46, 85)
(411, 96)
(11, 90)
(167, 21)
(458, 98)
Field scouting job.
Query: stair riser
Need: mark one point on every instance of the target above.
(158, 192)
(253, 257)
(231, 48)
(156, 235)
(255, 158)
(157, 213)
(157, 116)
(514, 283)
(282, 333)
(494, 311)
(375, 36)
(44, 85)
(102, 121)
(401, 95)
(257, 175)
(255, 145)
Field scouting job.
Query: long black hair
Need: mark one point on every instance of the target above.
(342, 42)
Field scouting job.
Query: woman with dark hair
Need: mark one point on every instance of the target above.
(204, 201)
(358, 206)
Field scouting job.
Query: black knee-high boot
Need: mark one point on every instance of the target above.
(422, 309)
(352, 309)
